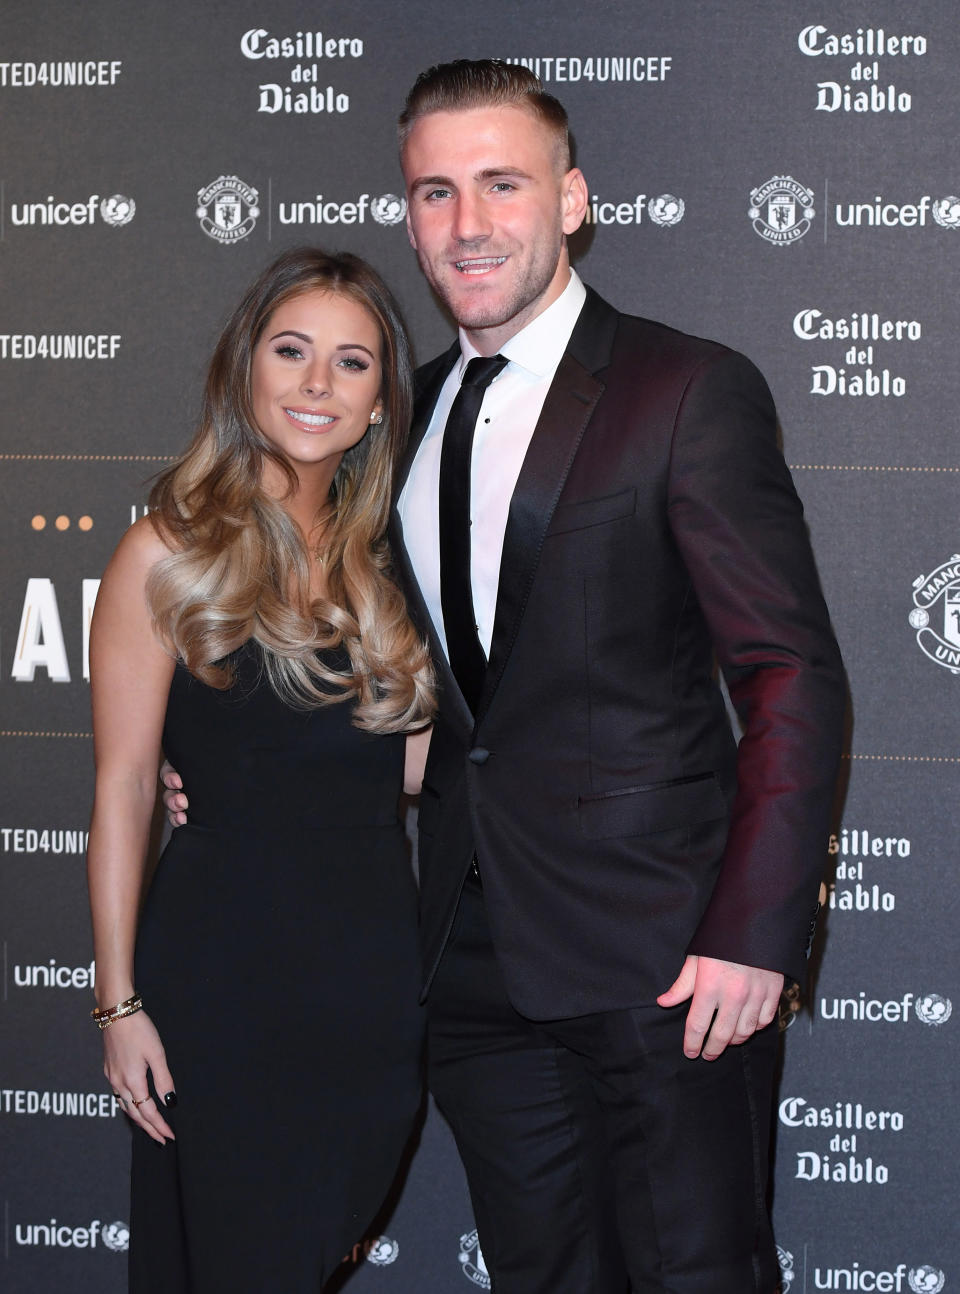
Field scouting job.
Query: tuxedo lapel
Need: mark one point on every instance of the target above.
(567, 410)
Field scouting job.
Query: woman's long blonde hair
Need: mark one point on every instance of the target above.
(240, 568)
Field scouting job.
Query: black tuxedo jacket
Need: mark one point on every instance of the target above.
(654, 531)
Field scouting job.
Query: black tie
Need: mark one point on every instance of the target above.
(456, 597)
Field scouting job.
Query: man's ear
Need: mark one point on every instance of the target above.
(574, 198)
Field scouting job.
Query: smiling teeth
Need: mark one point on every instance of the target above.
(311, 419)
(480, 266)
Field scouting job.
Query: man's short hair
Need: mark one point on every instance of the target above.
(484, 83)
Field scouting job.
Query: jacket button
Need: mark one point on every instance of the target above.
(478, 755)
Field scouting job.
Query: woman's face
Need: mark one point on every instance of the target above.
(315, 378)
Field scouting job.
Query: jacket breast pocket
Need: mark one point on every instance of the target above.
(657, 806)
(582, 513)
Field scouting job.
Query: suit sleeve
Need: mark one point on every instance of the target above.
(739, 525)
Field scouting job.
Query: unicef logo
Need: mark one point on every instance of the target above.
(383, 1251)
(666, 210)
(117, 210)
(946, 212)
(931, 1008)
(940, 644)
(785, 1259)
(227, 209)
(116, 1236)
(388, 209)
(471, 1261)
(925, 1279)
(781, 210)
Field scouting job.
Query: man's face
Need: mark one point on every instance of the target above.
(488, 211)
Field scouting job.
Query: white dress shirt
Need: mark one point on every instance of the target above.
(511, 406)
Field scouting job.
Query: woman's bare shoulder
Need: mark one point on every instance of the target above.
(143, 545)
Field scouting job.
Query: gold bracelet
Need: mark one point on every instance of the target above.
(106, 1015)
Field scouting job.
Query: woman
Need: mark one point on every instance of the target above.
(251, 629)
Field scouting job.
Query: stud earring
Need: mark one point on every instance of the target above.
(376, 417)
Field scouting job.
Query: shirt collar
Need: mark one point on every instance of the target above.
(538, 348)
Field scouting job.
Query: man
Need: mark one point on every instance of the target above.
(584, 529)
(594, 851)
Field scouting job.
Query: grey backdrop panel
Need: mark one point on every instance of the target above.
(842, 285)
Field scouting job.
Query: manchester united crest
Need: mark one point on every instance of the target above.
(471, 1260)
(936, 613)
(227, 209)
(787, 1272)
(781, 210)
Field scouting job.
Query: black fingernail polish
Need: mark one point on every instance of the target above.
(170, 1100)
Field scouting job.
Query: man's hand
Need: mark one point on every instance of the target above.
(174, 800)
(738, 1000)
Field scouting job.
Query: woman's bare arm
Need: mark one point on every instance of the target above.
(418, 744)
(130, 672)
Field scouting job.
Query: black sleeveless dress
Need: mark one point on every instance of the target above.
(277, 956)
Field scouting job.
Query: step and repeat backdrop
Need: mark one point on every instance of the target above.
(783, 177)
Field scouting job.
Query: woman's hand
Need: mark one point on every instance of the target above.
(174, 800)
(131, 1047)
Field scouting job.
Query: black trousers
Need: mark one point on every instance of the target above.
(600, 1159)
